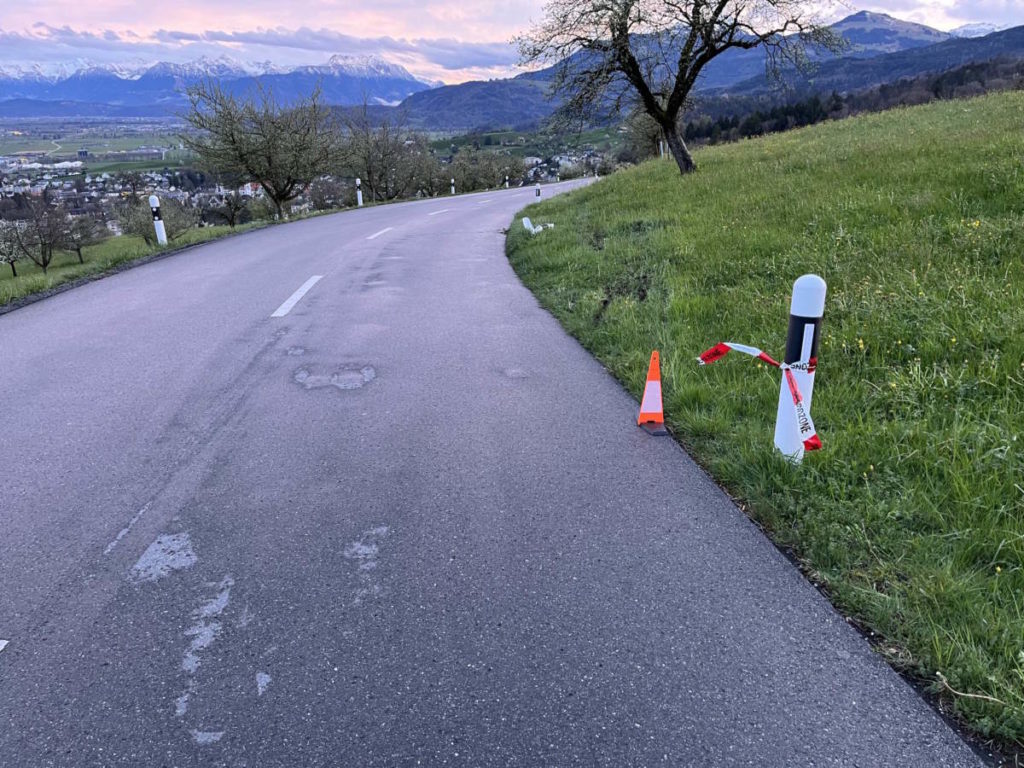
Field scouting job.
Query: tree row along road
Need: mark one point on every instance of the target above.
(340, 493)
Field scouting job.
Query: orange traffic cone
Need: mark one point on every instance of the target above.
(652, 416)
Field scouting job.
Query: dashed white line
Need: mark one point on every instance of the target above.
(384, 231)
(437, 213)
(294, 299)
(485, 202)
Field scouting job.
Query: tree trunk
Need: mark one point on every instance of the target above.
(679, 150)
(78, 250)
(14, 271)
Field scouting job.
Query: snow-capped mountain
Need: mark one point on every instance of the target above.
(343, 79)
(977, 30)
(366, 67)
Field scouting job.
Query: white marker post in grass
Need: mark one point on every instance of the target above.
(506, 182)
(537, 188)
(453, 186)
(806, 311)
(359, 193)
(158, 221)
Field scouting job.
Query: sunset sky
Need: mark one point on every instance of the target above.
(434, 39)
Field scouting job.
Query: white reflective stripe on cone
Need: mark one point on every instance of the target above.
(652, 398)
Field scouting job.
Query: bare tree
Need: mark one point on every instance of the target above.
(42, 232)
(280, 147)
(383, 153)
(231, 208)
(614, 53)
(10, 249)
(82, 231)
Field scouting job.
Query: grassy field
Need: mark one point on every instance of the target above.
(98, 258)
(913, 514)
(71, 141)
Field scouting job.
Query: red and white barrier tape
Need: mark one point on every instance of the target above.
(808, 433)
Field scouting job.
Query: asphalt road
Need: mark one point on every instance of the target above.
(408, 522)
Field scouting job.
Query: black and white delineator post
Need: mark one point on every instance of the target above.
(805, 314)
(506, 182)
(453, 186)
(359, 193)
(537, 188)
(158, 221)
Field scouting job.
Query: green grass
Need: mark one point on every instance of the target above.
(913, 514)
(98, 258)
(73, 140)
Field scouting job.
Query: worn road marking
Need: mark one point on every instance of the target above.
(124, 531)
(4, 644)
(485, 202)
(384, 231)
(437, 213)
(170, 552)
(262, 681)
(294, 299)
(203, 738)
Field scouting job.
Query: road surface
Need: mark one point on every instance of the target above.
(339, 493)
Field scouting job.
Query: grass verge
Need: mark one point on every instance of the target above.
(109, 255)
(912, 516)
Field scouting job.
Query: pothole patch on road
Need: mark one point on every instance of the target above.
(344, 379)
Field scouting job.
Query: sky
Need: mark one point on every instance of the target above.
(437, 40)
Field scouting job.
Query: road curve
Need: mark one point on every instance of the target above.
(339, 493)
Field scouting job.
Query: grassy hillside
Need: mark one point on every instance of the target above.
(913, 514)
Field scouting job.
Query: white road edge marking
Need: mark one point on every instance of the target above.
(294, 299)
(4, 644)
(436, 213)
(375, 235)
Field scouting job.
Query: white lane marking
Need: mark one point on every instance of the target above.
(4, 644)
(294, 299)
(124, 531)
(384, 231)
(170, 552)
(485, 202)
(437, 213)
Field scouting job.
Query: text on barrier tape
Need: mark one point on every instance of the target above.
(808, 433)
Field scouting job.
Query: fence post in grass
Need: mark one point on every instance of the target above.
(453, 186)
(806, 311)
(359, 193)
(158, 221)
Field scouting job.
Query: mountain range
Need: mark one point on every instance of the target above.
(880, 49)
(343, 80)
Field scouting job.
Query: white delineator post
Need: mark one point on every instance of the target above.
(158, 221)
(359, 193)
(453, 186)
(506, 182)
(537, 188)
(806, 311)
